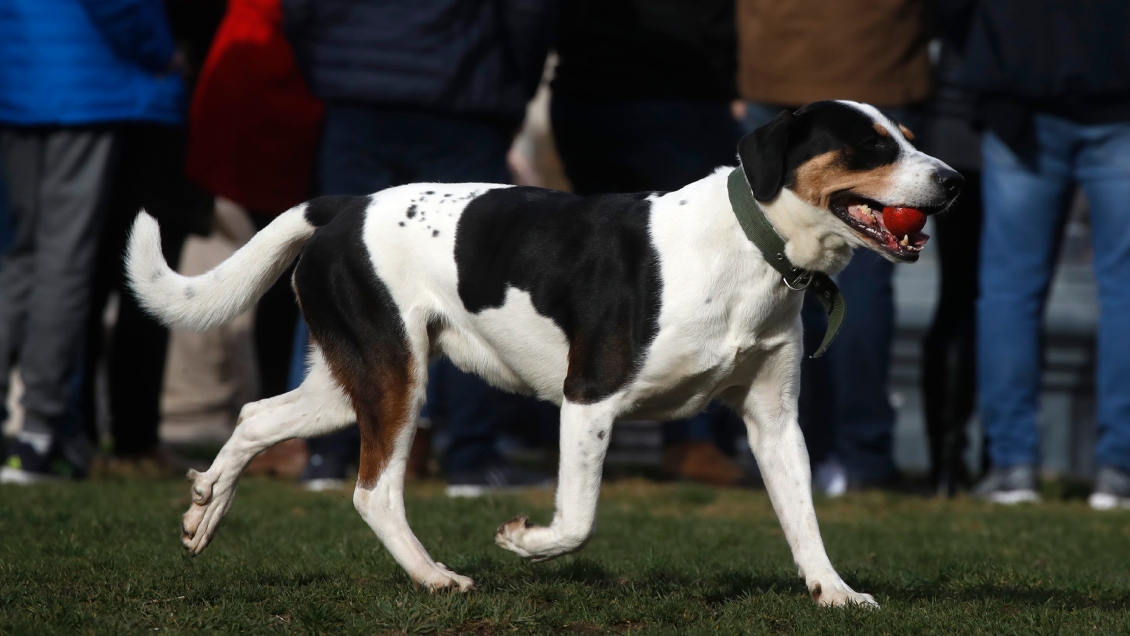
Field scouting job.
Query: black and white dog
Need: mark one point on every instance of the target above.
(641, 305)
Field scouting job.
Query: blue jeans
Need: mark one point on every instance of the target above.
(365, 149)
(853, 374)
(1026, 199)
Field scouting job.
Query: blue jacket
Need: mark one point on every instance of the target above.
(74, 62)
(475, 57)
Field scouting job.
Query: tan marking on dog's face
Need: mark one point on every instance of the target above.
(906, 132)
(816, 180)
(881, 129)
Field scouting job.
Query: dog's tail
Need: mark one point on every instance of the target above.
(197, 303)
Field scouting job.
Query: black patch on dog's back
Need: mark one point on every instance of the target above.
(354, 319)
(588, 264)
(322, 210)
(349, 310)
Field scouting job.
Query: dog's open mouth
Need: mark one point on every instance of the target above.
(866, 217)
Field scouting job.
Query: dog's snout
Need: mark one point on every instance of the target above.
(949, 181)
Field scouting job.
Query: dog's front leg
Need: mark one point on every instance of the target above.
(770, 413)
(585, 432)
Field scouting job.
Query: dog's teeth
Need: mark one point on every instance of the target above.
(905, 240)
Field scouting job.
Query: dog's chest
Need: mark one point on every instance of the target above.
(712, 337)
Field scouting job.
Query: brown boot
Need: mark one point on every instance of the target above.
(701, 462)
(158, 463)
(419, 455)
(285, 459)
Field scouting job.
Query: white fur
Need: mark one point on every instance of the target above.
(217, 297)
(727, 328)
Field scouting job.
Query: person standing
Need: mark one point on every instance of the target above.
(1054, 81)
(792, 52)
(74, 72)
(253, 135)
(432, 90)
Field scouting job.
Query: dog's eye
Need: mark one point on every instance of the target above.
(870, 142)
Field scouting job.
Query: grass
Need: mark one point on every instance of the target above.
(104, 557)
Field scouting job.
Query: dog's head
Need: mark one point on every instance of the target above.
(831, 168)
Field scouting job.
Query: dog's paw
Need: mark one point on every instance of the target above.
(537, 543)
(444, 580)
(210, 503)
(510, 534)
(837, 594)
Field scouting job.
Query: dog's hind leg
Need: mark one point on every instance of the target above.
(770, 412)
(317, 407)
(387, 403)
(585, 432)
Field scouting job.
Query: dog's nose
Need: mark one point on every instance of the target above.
(950, 181)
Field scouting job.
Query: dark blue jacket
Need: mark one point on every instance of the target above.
(476, 57)
(1042, 49)
(75, 62)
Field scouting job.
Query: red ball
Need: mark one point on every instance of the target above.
(903, 221)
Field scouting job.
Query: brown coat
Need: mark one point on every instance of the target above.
(792, 52)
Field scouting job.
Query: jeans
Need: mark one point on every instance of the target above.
(365, 149)
(654, 144)
(1026, 197)
(854, 372)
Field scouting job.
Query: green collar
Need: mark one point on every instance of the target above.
(761, 233)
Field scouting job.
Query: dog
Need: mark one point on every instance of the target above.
(642, 306)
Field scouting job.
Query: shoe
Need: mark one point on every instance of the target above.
(322, 472)
(1112, 489)
(702, 462)
(1013, 485)
(286, 459)
(35, 459)
(495, 479)
(830, 478)
(158, 463)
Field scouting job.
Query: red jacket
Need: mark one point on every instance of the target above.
(254, 126)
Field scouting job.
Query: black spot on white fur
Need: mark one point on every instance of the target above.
(588, 264)
(411, 211)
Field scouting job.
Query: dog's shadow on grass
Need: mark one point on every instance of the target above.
(731, 586)
(942, 590)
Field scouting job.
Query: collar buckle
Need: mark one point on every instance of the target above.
(801, 282)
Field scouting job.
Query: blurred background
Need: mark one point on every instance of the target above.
(997, 360)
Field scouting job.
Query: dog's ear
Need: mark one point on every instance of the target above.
(763, 156)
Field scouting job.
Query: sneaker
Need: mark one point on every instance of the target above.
(495, 479)
(1013, 485)
(34, 459)
(830, 478)
(323, 472)
(1112, 489)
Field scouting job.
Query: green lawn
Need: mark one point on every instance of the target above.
(104, 557)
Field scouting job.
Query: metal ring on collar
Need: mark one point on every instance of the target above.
(804, 280)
